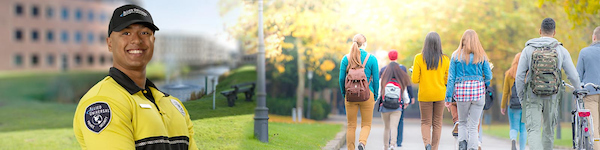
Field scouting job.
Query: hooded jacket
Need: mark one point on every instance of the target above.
(564, 62)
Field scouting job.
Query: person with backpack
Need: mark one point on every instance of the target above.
(511, 100)
(430, 71)
(394, 95)
(589, 72)
(468, 76)
(358, 70)
(393, 55)
(540, 65)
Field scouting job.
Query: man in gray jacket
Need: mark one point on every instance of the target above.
(589, 72)
(533, 104)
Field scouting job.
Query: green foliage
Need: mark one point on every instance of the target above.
(283, 106)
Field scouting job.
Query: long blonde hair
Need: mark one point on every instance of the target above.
(354, 59)
(469, 43)
(512, 71)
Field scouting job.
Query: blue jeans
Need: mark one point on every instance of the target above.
(400, 129)
(517, 126)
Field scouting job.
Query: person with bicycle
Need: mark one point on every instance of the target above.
(540, 65)
(589, 72)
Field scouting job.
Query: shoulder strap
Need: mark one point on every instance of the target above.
(366, 59)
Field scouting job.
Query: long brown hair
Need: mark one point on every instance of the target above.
(469, 43)
(512, 71)
(354, 59)
(432, 50)
(393, 71)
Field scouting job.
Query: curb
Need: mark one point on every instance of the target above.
(338, 141)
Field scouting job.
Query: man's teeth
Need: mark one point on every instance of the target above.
(135, 51)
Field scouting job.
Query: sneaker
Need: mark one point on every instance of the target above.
(514, 145)
(455, 129)
(361, 146)
(428, 147)
(391, 148)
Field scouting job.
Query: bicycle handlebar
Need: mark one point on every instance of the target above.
(597, 87)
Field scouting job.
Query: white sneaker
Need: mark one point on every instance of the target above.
(391, 148)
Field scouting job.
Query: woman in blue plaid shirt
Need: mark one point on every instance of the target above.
(468, 75)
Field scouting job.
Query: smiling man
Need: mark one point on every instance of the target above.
(125, 110)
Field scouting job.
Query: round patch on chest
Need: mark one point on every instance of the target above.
(97, 116)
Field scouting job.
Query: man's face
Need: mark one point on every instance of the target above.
(132, 47)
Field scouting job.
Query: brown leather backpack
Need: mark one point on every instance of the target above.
(357, 84)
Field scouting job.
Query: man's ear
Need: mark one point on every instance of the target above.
(109, 43)
(540, 32)
(553, 33)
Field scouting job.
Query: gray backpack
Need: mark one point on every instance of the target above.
(545, 72)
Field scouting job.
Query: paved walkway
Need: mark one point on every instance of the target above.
(413, 139)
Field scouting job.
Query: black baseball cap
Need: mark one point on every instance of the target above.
(130, 14)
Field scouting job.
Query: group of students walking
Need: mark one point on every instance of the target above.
(530, 89)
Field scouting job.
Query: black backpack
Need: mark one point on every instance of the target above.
(489, 98)
(514, 102)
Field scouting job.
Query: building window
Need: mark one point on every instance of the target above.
(90, 16)
(35, 11)
(78, 37)
(90, 37)
(102, 60)
(91, 59)
(34, 35)
(65, 13)
(49, 12)
(19, 9)
(34, 60)
(102, 17)
(18, 60)
(50, 36)
(19, 35)
(102, 39)
(50, 60)
(78, 59)
(78, 14)
(64, 36)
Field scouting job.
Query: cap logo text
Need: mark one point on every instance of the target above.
(133, 10)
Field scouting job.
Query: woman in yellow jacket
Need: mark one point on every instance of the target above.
(510, 99)
(430, 71)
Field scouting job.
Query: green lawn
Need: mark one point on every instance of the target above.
(28, 101)
(232, 132)
(502, 131)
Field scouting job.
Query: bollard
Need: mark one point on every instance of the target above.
(294, 114)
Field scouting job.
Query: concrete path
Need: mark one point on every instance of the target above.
(413, 139)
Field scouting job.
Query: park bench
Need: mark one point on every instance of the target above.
(246, 88)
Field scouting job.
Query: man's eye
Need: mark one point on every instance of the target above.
(126, 33)
(145, 33)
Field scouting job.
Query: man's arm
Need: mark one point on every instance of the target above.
(580, 65)
(521, 73)
(103, 123)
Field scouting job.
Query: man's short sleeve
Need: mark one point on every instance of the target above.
(102, 123)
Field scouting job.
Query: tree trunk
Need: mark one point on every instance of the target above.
(301, 70)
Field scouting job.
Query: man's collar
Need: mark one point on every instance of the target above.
(126, 82)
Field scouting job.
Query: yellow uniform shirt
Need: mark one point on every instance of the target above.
(432, 83)
(117, 114)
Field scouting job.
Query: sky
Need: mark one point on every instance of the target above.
(192, 17)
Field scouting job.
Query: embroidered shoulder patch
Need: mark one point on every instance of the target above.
(97, 116)
(178, 106)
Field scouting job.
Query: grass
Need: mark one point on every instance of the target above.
(28, 101)
(232, 132)
(202, 108)
(502, 131)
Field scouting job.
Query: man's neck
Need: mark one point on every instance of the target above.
(138, 76)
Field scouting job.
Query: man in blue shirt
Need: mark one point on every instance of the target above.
(589, 72)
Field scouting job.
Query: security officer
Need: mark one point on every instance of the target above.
(125, 110)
